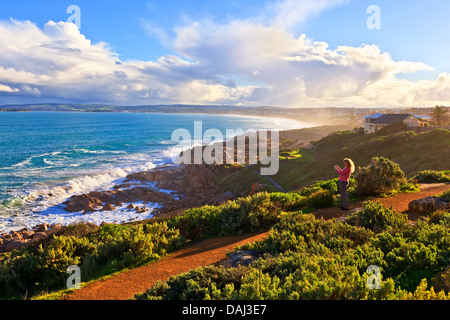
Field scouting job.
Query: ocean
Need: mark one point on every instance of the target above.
(47, 157)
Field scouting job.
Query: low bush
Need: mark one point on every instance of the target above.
(309, 259)
(320, 199)
(251, 214)
(432, 176)
(445, 196)
(375, 216)
(380, 177)
(97, 251)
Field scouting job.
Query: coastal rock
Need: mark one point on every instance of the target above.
(39, 236)
(141, 210)
(84, 202)
(101, 197)
(242, 258)
(223, 197)
(16, 245)
(56, 227)
(42, 227)
(28, 235)
(108, 207)
(429, 204)
(16, 236)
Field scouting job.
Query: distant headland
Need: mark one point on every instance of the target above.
(316, 115)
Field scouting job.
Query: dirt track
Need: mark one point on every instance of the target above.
(125, 285)
(399, 203)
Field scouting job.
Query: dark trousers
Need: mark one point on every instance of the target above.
(343, 190)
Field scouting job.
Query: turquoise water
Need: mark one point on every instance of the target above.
(46, 157)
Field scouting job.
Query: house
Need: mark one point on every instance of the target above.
(375, 122)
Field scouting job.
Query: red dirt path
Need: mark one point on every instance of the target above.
(399, 203)
(125, 285)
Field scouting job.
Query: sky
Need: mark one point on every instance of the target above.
(289, 53)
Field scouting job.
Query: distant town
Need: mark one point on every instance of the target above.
(323, 116)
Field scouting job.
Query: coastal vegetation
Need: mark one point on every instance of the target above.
(308, 258)
(302, 258)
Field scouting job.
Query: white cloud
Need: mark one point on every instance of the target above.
(240, 62)
(5, 88)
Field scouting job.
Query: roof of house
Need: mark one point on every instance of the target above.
(373, 116)
(390, 118)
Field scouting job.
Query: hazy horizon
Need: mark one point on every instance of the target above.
(304, 53)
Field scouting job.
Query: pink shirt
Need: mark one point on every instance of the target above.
(344, 174)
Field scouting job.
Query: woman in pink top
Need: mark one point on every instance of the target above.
(344, 175)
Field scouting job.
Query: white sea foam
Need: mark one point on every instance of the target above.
(57, 214)
(43, 203)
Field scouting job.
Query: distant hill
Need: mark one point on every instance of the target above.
(317, 116)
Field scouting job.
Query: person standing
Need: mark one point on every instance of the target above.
(344, 176)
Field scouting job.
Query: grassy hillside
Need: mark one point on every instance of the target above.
(413, 152)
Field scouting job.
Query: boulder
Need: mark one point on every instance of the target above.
(28, 235)
(7, 238)
(39, 236)
(41, 228)
(108, 207)
(124, 196)
(100, 197)
(429, 204)
(83, 203)
(73, 207)
(16, 236)
(141, 210)
(221, 198)
(242, 258)
(16, 245)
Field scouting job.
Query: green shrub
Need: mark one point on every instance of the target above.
(375, 216)
(250, 214)
(97, 251)
(123, 246)
(198, 222)
(380, 177)
(330, 185)
(320, 199)
(445, 196)
(206, 283)
(307, 258)
(392, 128)
(291, 201)
(41, 268)
(432, 176)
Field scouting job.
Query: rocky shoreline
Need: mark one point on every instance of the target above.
(191, 186)
(17, 239)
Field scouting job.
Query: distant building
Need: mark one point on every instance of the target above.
(375, 122)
